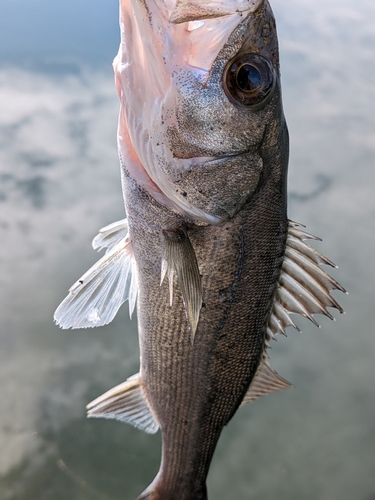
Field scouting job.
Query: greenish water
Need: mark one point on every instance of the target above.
(59, 182)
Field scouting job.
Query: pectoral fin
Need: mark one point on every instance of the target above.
(96, 297)
(265, 381)
(110, 235)
(179, 258)
(127, 403)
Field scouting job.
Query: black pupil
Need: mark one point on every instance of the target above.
(248, 78)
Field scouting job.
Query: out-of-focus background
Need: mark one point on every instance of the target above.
(59, 183)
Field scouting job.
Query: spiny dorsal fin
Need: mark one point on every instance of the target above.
(179, 258)
(303, 288)
(127, 403)
(96, 297)
(265, 381)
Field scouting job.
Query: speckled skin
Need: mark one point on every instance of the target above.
(194, 389)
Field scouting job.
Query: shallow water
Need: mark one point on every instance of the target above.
(59, 182)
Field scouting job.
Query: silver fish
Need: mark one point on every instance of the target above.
(207, 249)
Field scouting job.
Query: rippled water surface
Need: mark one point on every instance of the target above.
(59, 182)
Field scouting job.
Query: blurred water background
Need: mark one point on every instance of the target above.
(59, 183)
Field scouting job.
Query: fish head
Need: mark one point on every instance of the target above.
(199, 86)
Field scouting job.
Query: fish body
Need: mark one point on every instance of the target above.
(194, 389)
(207, 245)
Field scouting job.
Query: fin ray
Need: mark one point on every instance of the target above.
(265, 381)
(96, 297)
(304, 287)
(303, 295)
(126, 403)
(110, 235)
(302, 248)
(319, 287)
(179, 258)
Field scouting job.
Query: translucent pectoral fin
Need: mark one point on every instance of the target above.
(96, 297)
(179, 258)
(110, 235)
(127, 403)
(265, 381)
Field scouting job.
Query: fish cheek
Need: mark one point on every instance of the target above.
(208, 123)
(217, 129)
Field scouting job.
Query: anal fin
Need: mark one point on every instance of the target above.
(265, 381)
(127, 403)
(179, 258)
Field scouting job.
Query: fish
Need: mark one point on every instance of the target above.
(206, 253)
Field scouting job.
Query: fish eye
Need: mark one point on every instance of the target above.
(249, 81)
